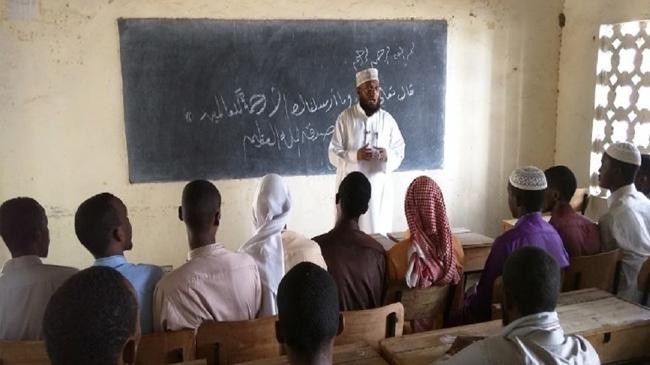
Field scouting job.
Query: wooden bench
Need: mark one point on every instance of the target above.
(238, 341)
(372, 325)
(166, 347)
(428, 303)
(593, 271)
(23, 353)
(359, 353)
(617, 329)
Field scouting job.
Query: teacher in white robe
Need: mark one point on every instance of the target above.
(367, 139)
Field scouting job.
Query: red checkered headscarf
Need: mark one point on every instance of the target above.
(433, 261)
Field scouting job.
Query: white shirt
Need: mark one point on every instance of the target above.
(354, 130)
(298, 248)
(534, 339)
(215, 284)
(26, 285)
(627, 225)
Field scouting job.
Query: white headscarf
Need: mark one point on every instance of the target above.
(270, 214)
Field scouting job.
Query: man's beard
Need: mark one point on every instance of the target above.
(370, 109)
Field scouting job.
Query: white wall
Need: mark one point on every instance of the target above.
(62, 129)
(577, 80)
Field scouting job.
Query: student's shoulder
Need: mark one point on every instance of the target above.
(148, 269)
(367, 242)
(321, 238)
(59, 272)
(60, 269)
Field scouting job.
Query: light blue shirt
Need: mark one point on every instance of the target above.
(144, 278)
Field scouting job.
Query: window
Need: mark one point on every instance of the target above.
(622, 98)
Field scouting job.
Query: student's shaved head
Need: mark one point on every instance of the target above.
(90, 318)
(201, 203)
(95, 221)
(561, 179)
(23, 227)
(531, 280)
(354, 195)
(308, 309)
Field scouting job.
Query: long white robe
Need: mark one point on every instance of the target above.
(354, 130)
(627, 225)
(537, 339)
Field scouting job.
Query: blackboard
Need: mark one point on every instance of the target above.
(222, 99)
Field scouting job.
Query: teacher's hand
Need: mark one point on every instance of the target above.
(364, 153)
(381, 154)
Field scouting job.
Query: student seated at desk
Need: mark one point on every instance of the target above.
(102, 226)
(355, 260)
(626, 225)
(579, 234)
(308, 318)
(275, 249)
(26, 284)
(526, 187)
(430, 255)
(214, 284)
(93, 319)
(532, 332)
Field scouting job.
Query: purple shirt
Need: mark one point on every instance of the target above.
(579, 234)
(530, 230)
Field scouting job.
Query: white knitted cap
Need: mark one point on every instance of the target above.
(367, 75)
(528, 178)
(625, 152)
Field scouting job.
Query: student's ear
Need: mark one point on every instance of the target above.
(278, 333)
(341, 324)
(555, 195)
(129, 351)
(217, 218)
(118, 234)
(365, 209)
(180, 213)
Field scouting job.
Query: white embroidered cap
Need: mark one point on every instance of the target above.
(367, 75)
(528, 178)
(625, 152)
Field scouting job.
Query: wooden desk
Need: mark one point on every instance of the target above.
(476, 248)
(399, 236)
(191, 362)
(386, 242)
(617, 329)
(508, 224)
(357, 353)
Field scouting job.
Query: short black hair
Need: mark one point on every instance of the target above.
(201, 202)
(562, 179)
(308, 308)
(531, 200)
(90, 318)
(95, 220)
(354, 194)
(20, 219)
(531, 280)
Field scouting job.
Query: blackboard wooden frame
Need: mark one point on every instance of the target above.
(223, 99)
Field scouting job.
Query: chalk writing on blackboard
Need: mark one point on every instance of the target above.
(363, 57)
(240, 103)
